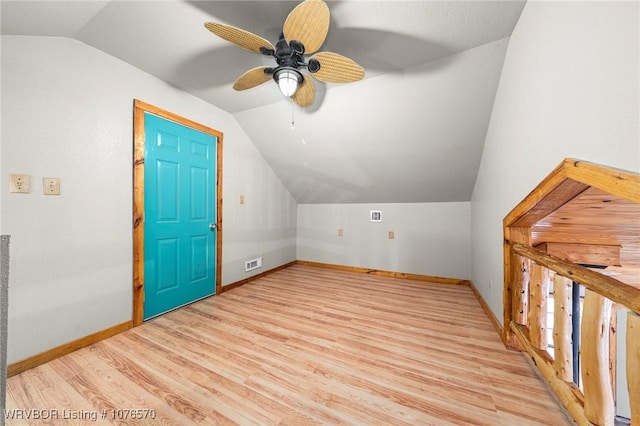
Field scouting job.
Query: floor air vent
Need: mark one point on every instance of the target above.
(252, 264)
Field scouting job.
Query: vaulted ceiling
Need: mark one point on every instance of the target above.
(411, 131)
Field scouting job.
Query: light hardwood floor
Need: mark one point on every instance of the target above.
(301, 346)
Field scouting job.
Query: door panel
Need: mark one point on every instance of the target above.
(180, 203)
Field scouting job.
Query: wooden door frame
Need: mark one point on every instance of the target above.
(139, 108)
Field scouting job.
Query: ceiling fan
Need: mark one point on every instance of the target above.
(304, 31)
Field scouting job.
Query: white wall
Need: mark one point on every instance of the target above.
(67, 112)
(569, 88)
(430, 238)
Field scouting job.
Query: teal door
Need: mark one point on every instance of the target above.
(180, 215)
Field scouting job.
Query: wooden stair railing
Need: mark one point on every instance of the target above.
(594, 404)
(584, 213)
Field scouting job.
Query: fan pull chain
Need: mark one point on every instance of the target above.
(293, 122)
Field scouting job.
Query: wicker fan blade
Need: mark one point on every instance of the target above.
(252, 78)
(239, 37)
(306, 92)
(308, 23)
(336, 68)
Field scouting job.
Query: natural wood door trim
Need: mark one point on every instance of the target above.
(139, 108)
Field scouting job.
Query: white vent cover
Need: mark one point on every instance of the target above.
(252, 264)
(375, 215)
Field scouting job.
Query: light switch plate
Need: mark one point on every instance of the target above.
(20, 184)
(51, 186)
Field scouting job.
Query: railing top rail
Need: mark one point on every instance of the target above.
(609, 287)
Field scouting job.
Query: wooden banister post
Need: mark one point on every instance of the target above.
(633, 365)
(613, 346)
(599, 406)
(562, 342)
(521, 278)
(515, 288)
(537, 316)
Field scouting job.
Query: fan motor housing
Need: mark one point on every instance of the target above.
(289, 58)
(286, 56)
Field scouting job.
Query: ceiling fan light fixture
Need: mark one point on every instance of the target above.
(288, 80)
(303, 33)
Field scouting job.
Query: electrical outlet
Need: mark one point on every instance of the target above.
(20, 184)
(51, 186)
(242, 199)
(392, 235)
(340, 232)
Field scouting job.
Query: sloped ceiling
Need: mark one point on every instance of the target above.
(412, 131)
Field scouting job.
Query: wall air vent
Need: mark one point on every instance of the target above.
(252, 264)
(375, 215)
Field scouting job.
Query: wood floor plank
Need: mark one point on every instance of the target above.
(232, 394)
(303, 346)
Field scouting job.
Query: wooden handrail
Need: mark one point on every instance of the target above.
(609, 287)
